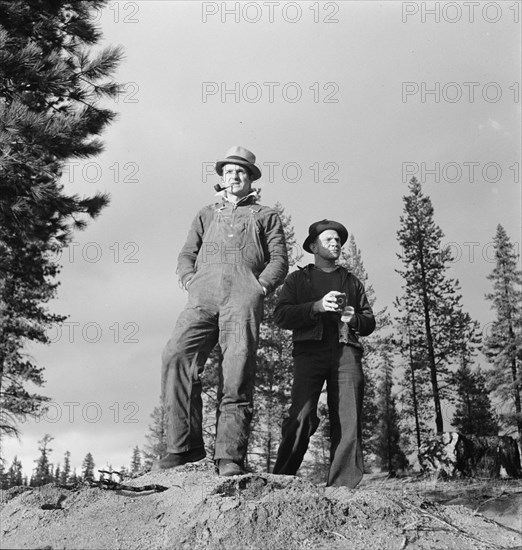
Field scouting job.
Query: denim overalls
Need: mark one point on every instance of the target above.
(226, 305)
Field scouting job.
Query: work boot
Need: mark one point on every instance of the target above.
(227, 467)
(178, 459)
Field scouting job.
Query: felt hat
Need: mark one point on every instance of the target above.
(318, 227)
(243, 157)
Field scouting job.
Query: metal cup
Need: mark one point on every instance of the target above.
(347, 314)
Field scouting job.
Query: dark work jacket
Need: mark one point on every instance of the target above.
(294, 307)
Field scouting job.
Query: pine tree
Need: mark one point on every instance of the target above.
(503, 347)
(414, 395)
(66, 471)
(156, 446)
(4, 477)
(14, 474)
(473, 414)
(88, 467)
(50, 112)
(431, 301)
(43, 473)
(57, 474)
(135, 466)
(387, 443)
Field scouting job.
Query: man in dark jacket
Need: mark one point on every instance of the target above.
(234, 255)
(326, 307)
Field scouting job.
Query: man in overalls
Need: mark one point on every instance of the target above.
(235, 254)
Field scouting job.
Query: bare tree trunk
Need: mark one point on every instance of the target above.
(414, 397)
(431, 352)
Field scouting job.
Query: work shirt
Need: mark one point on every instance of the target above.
(324, 282)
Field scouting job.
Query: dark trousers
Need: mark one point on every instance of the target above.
(340, 366)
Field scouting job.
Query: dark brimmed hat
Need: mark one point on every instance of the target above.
(243, 157)
(318, 227)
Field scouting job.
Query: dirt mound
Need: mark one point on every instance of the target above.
(200, 510)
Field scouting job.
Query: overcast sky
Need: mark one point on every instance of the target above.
(342, 102)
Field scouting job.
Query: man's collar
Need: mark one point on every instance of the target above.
(328, 270)
(309, 267)
(253, 196)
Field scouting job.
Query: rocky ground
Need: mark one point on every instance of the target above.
(200, 510)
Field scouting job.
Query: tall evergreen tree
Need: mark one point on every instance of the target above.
(387, 441)
(473, 413)
(88, 467)
(57, 474)
(431, 300)
(50, 112)
(4, 478)
(414, 394)
(15, 474)
(135, 466)
(156, 446)
(503, 346)
(43, 473)
(66, 470)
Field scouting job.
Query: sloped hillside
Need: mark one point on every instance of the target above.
(200, 510)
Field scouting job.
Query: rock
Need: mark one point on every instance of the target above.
(452, 455)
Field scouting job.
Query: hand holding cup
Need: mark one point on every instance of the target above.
(347, 313)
